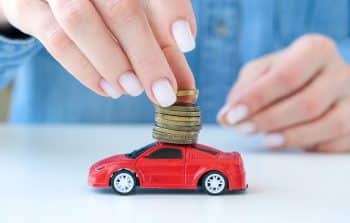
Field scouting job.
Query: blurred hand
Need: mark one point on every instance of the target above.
(298, 97)
(114, 47)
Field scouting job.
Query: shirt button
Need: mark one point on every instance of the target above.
(221, 29)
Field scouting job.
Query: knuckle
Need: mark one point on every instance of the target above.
(89, 74)
(289, 78)
(147, 65)
(259, 65)
(124, 10)
(310, 107)
(257, 100)
(249, 67)
(318, 42)
(57, 40)
(265, 122)
(71, 12)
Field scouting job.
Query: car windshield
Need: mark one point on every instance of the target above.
(134, 154)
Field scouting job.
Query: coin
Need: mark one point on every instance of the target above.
(174, 135)
(169, 139)
(175, 132)
(178, 142)
(179, 127)
(165, 138)
(177, 123)
(180, 123)
(178, 113)
(189, 92)
(183, 107)
(178, 118)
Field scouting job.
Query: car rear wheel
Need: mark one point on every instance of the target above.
(214, 183)
(123, 182)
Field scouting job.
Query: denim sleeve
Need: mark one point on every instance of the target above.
(13, 53)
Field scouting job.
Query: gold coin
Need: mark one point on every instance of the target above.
(167, 139)
(174, 132)
(183, 107)
(177, 123)
(178, 118)
(179, 128)
(174, 136)
(176, 141)
(189, 92)
(178, 113)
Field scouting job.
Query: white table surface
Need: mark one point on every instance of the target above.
(43, 175)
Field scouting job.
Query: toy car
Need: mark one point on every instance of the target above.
(171, 166)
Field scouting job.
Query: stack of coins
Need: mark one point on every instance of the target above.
(178, 124)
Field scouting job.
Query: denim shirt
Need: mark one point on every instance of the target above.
(230, 33)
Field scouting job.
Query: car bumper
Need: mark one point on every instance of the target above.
(237, 182)
(98, 181)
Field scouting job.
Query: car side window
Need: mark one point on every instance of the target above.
(166, 153)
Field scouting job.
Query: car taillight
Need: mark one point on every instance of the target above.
(238, 160)
(240, 163)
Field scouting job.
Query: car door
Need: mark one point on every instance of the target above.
(164, 167)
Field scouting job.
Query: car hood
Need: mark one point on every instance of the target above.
(112, 159)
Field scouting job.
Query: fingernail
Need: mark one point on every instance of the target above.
(273, 140)
(237, 114)
(183, 35)
(131, 84)
(246, 128)
(222, 111)
(110, 91)
(164, 93)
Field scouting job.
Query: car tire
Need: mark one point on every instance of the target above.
(123, 182)
(214, 183)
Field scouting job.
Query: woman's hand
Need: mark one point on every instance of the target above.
(114, 47)
(298, 97)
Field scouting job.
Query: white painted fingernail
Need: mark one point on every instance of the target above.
(109, 90)
(183, 35)
(246, 128)
(237, 114)
(222, 112)
(273, 140)
(164, 93)
(131, 84)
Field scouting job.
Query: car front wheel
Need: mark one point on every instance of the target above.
(123, 182)
(214, 183)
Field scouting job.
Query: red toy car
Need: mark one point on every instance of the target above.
(171, 166)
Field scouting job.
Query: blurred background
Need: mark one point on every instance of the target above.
(4, 103)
